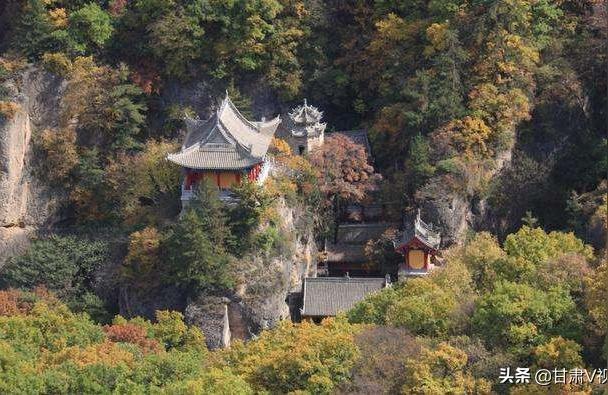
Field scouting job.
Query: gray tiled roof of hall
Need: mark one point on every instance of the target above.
(328, 296)
(346, 253)
(226, 141)
(218, 159)
(361, 233)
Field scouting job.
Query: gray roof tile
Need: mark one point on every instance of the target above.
(426, 233)
(227, 140)
(328, 296)
(361, 233)
(346, 253)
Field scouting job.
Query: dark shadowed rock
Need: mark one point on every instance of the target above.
(133, 303)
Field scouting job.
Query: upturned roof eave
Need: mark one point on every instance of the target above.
(404, 244)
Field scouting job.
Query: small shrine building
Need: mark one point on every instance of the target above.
(419, 246)
(225, 149)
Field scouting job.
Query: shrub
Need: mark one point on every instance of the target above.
(57, 63)
(60, 149)
(9, 109)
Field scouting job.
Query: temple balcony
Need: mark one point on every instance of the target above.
(405, 272)
(412, 273)
(225, 195)
(187, 194)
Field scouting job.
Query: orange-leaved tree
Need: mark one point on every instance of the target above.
(345, 173)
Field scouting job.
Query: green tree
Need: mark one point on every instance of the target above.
(176, 41)
(373, 309)
(194, 262)
(418, 165)
(32, 33)
(442, 370)
(213, 213)
(171, 330)
(90, 26)
(64, 264)
(249, 213)
(595, 296)
(213, 381)
(481, 255)
(558, 353)
(144, 185)
(520, 316)
(537, 246)
(424, 308)
(323, 359)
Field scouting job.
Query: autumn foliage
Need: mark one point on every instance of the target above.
(44, 346)
(345, 171)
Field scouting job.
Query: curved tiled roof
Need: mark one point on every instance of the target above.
(423, 232)
(227, 140)
(213, 159)
(305, 121)
(305, 114)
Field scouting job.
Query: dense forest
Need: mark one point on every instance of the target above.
(492, 111)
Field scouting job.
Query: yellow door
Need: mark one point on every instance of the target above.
(416, 259)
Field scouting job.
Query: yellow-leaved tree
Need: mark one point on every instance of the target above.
(442, 370)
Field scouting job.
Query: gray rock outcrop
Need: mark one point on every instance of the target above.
(261, 300)
(457, 212)
(26, 203)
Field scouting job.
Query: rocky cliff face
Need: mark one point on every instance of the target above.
(26, 203)
(261, 301)
(457, 212)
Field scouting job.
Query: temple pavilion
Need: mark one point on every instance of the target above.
(303, 129)
(225, 149)
(419, 246)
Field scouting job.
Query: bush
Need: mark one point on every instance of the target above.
(61, 153)
(57, 63)
(8, 109)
